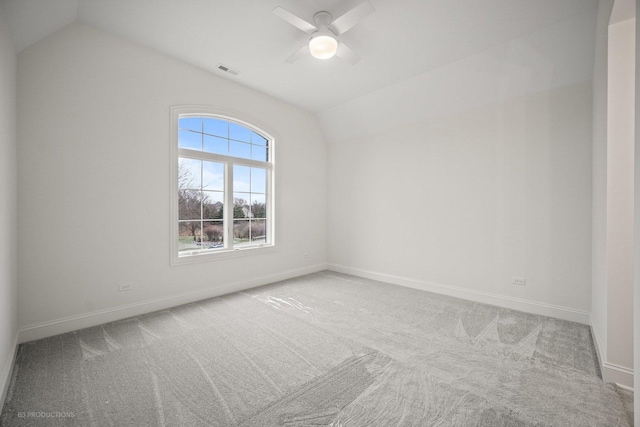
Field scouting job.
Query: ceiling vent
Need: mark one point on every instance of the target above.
(227, 70)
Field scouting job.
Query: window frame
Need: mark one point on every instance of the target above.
(229, 162)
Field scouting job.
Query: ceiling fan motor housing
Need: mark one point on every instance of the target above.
(322, 19)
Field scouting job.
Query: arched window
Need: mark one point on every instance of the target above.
(222, 185)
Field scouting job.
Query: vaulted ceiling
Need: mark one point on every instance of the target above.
(411, 50)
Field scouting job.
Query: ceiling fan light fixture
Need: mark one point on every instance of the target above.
(323, 46)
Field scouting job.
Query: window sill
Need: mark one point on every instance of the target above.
(221, 255)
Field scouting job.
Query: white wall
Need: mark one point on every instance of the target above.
(94, 187)
(620, 192)
(599, 181)
(472, 199)
(8, 210)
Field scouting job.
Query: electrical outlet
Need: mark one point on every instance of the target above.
(125, 287)
(520, 281)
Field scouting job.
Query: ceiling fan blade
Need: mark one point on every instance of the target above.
(295, 20)
(351, 18)
(303, 51)
(347, 54)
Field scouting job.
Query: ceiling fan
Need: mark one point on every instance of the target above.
(323, 43)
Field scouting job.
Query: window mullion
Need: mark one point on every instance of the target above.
(269, 226)
(201, 206)
(228, 205)
(212, 157)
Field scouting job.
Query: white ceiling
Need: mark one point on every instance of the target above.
(401, 44)
(529, 64)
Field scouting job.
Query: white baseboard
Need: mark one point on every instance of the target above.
(7, 370)
(73, 323)
(597, 343)
(527, 306)
(625, 388)
(611, 373)
(619, 375)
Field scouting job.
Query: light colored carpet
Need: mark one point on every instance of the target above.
(627, 402)
(323, 349)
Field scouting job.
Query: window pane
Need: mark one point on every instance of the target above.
(213, 235)
(191, 123)
(239, 133)
(241, 178)
(189, 173)
(258, 140)
(189, 204)
(189, 235)
(212, 176)
(241, 207)
(216, 127)
(188, 139)
(258, 206)
(241, 233)
(258, 180)
(259, 153)
(258, 232)
(239, 149)
(213, 144)
(212, 207)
